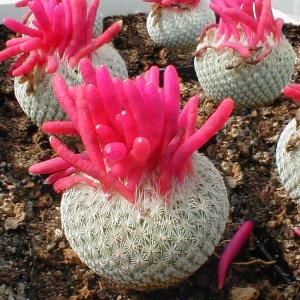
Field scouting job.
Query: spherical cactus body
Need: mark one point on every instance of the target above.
(288, 159)
(245, 57)
(288, 148)
(179, 27)
(150, 245)
(248, 85)
(41, 105)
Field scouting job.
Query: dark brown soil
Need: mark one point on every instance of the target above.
(36, 261)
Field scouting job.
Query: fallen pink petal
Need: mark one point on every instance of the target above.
(297, 232)
(232, 249)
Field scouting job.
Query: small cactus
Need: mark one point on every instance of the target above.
(245, 56)
(149, 245)
(57, 34)
(138, 147)
(288, 149)
(178, 23)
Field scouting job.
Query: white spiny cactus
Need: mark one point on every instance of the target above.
(245, 56)
(221, 73)
(149, 245)
(40, 104)
(179, 28)
(288, 159)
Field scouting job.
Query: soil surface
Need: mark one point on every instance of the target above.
(36, 261)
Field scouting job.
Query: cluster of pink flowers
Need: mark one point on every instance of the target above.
(130, 129)
(167, 3)
(63, 29)
(245, 26)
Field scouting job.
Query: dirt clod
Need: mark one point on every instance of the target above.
(248, 293)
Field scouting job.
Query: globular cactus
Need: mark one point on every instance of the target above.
(149, 245)
(41, 105)
(245, 56)
(288, 150)
(178, 23)
(138, 207)
(57, 34)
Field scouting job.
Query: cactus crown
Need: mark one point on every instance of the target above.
(246, 26)
(168, 3)
(60, 29)
(130, 129)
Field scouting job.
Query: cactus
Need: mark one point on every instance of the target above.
(53, 41)
(288, 149)
(245, 57)
(149, 245)
(41, 105)
(139, 148)
(178, 23)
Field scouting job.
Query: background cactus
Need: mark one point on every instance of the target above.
(288, 150)
(139, 148)
(41, 105)
(288, 160)
(53, 41)
(245, 56)
(178, 24)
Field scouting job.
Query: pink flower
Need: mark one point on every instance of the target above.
(292, 91)
(245, 26)
(62, 29)
(131, 130)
